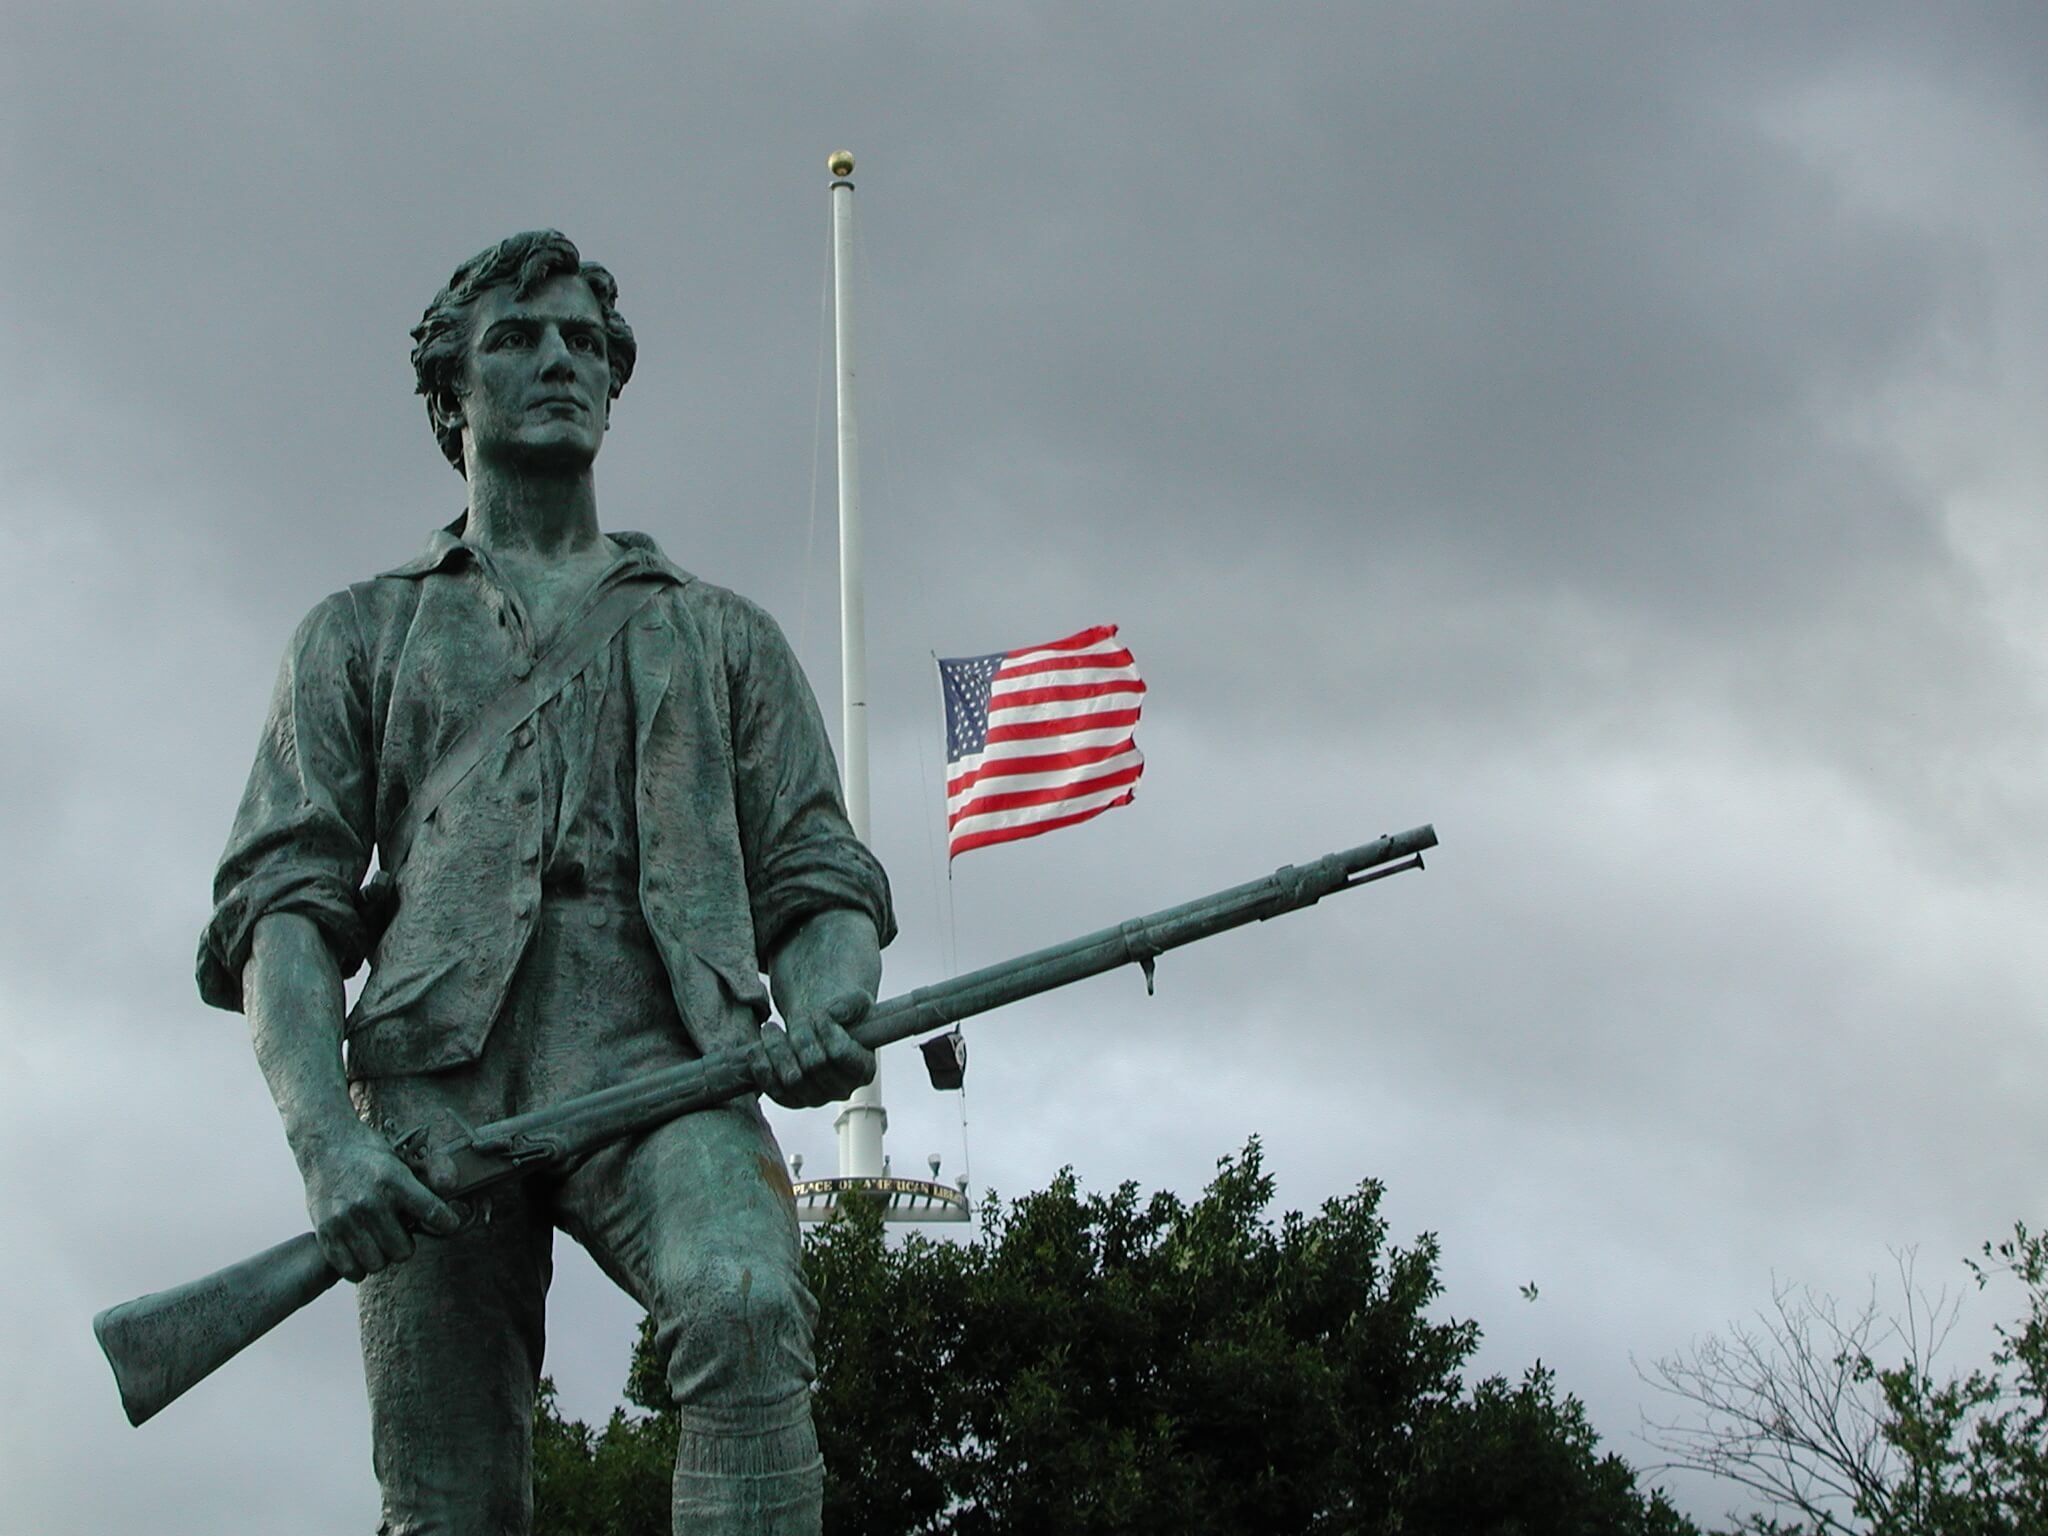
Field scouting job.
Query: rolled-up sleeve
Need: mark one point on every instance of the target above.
(801, 854)
(303, 835)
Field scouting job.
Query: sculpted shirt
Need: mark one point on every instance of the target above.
(735, 805)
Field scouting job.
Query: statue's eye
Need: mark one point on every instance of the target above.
(508, 340)
(583, 341)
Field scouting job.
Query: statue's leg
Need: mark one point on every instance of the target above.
(696, 1221)
(452, 1343)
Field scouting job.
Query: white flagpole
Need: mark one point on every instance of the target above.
(861, 1123)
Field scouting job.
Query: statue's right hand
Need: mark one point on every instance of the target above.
(366, 1205)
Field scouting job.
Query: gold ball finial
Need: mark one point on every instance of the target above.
(841, 163)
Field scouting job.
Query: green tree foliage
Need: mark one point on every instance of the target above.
(1849, 1423)
(1112, 1363)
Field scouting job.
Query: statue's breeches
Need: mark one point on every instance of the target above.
(694, 1220)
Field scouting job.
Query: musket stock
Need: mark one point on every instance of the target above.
(162, 1344)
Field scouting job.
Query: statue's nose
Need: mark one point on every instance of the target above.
(555, 356)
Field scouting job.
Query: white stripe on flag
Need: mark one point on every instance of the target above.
(1018, 783)
(1025, 815)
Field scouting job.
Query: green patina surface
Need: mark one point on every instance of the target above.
(595, 900)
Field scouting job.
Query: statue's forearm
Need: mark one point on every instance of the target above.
(828, 954)
(291, 992)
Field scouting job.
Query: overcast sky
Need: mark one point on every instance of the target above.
(1611, 433)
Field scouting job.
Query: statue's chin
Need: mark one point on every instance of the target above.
(550, 453)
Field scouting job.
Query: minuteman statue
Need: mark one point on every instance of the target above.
(601, 804)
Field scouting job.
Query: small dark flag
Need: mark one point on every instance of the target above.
(945, 1059)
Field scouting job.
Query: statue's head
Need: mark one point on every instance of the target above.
(522, 263)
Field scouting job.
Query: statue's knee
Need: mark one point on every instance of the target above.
(738, 1293)
(743, 1331)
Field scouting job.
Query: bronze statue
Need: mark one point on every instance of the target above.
(603, 803)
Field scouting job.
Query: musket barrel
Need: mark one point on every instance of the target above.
(596, 1118)
(1287, 889)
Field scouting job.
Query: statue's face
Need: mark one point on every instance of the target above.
(536, 384)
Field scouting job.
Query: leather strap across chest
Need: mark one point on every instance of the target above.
(571, 652)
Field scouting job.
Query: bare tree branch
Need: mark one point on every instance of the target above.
(1794, 1407)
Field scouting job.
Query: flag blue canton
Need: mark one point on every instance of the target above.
(968, 682)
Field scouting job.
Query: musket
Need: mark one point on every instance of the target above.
(162, 1344)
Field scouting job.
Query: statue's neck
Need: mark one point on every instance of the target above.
(532, 510)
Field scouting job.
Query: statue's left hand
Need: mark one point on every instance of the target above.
(812, 1060)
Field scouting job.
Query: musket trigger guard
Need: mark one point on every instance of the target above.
(471, 1211)
(1139, 946)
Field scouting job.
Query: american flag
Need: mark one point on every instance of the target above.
(1039, 738)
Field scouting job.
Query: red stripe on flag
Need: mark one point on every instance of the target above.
(1064, 664)
(1029, 829)
(1043, 762)
(1061, 693)
(999, 774)
(1016, 800)
(1033, 730)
